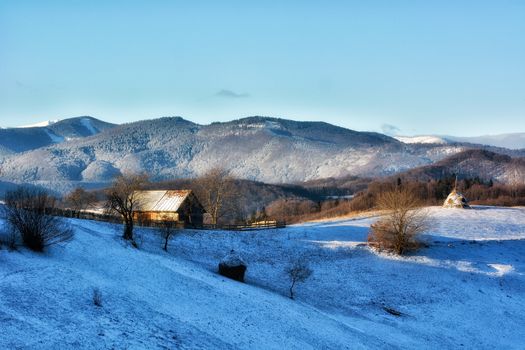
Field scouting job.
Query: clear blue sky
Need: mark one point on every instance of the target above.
(442, 67)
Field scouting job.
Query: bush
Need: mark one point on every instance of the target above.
(97, 297)
(29, 214)
(397, 231)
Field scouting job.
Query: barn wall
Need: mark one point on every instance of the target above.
(191, 212)
(155, 216)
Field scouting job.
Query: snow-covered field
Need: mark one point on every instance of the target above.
(465, 290)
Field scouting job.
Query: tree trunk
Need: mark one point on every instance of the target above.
(128, 229)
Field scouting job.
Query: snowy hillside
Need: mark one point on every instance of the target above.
(512, 141)
(466, 290)
(473, 163)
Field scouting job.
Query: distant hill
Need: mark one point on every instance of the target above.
(474, 163)
(21, 139)
(256, 148)
(88, 152)
(511, 141)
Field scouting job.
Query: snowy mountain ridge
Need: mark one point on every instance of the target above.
(511, 141)
(38, 125)
(90, 152)
(257, 148)
(514, 141)
(421, 139)
(31, 137)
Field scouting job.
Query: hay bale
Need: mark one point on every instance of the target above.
(455, 200)
(233, 266)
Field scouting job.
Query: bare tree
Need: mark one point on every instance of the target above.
(79, 200)
(298, 271)
(168, 230)
(404, 219)
(216, 191)
(121, 198)
(29, 214)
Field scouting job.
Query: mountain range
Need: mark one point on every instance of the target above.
(90, 152)
(26, 138)
(514, 141)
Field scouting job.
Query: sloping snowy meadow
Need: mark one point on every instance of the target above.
(464, 289)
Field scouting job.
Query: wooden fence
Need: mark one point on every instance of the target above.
(244, 227)
(260, 225)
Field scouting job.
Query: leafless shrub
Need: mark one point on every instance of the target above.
(298, 271)
(404, 220)
(29, 214)
(168, 229)
(97, 297)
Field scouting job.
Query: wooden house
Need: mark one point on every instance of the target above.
(180, 206)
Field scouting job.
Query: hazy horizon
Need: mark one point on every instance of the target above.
(404, 68)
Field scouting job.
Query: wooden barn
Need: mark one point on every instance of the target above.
(180, 206)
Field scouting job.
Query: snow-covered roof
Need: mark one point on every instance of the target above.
(160, 201)
(233, 259)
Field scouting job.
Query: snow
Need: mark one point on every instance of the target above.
(160, 201)
(511, 141)
(86, 122)
(40, 124)
(54, 138)
(233, 259)
(421, 139)
(465, 290)
(275, 152)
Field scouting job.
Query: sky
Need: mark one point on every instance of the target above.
(399, 67)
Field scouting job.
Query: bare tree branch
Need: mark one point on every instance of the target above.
(121, 198)
(397, 231)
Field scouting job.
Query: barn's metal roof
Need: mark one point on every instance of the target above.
(160, 201)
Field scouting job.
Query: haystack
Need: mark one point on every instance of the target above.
(455, 200)
(233, 266)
